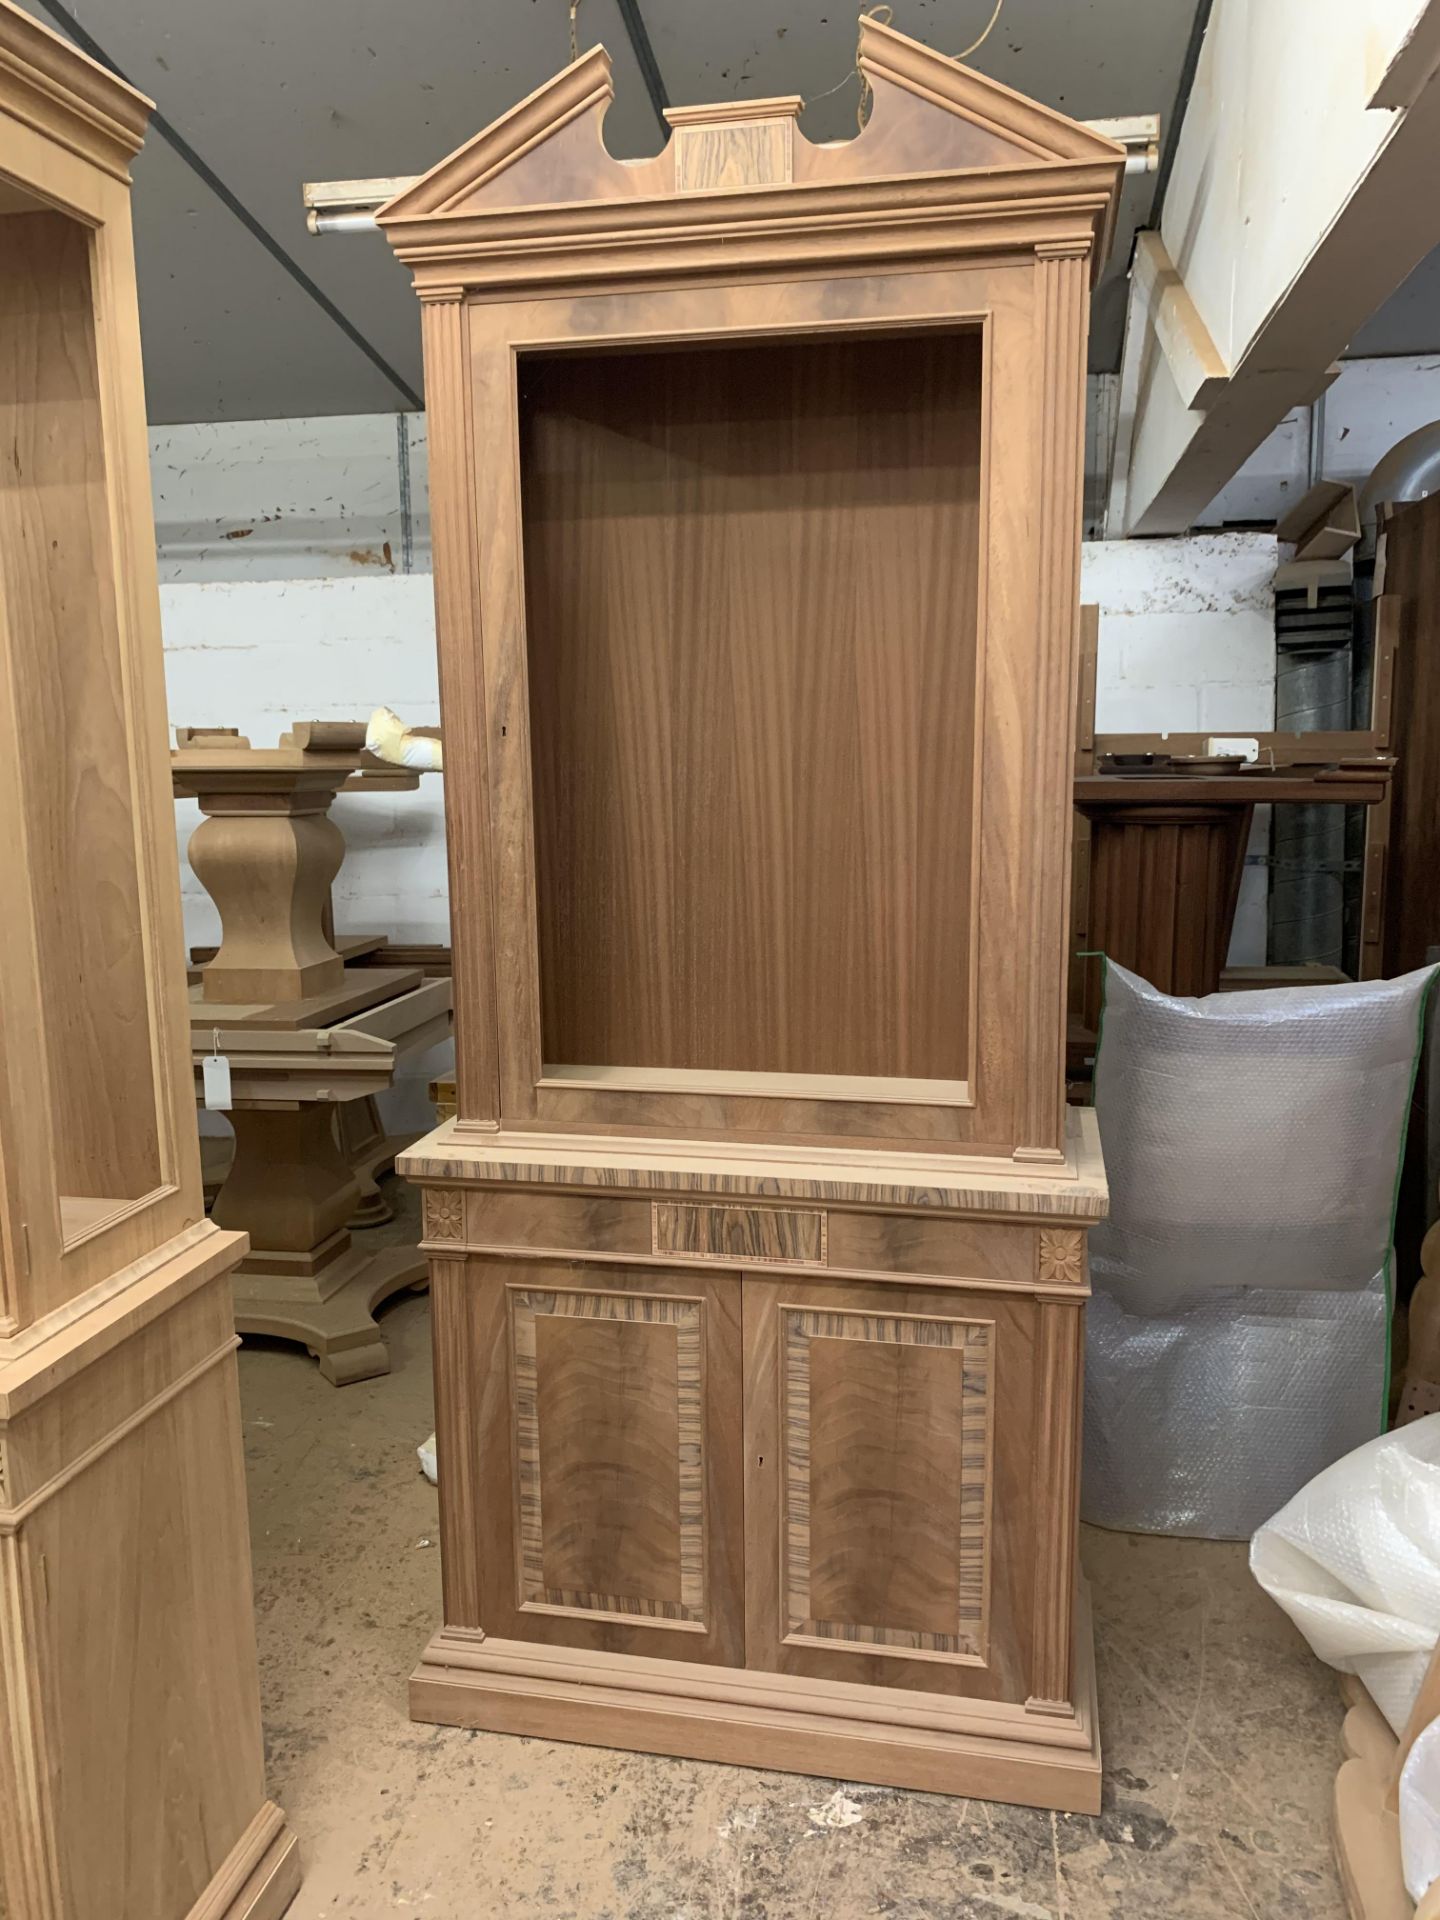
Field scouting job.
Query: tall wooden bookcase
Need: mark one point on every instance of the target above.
(131, 1765)
(758, 1239)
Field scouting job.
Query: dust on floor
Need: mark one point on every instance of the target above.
(1220, 1734)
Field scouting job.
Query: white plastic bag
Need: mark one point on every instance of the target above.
(1420, 1813)
(1354, 1559)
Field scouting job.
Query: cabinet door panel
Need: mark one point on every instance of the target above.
(605, 1456)
(889, 1438)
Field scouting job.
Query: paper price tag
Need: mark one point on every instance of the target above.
(215, 1073)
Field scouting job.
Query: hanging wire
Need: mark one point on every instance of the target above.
(885, 14)
(975, 45)
(575, 43)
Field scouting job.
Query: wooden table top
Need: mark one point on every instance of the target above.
(1341, 786)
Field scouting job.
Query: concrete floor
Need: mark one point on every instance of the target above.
(1220, 1733)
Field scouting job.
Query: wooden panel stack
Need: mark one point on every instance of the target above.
(758, 1237)
(131, 1765)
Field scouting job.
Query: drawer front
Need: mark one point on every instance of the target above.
(749, 1236)
(755, 1236)
(914, 1243)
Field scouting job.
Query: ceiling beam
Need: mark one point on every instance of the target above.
(645, 59)
(1291, 216)
(204, 172)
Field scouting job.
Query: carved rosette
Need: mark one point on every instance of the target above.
(444, 1213)
(1062, 1256)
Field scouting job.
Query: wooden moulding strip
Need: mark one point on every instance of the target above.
(722, 1714)
(260, 1877)
(1063, 1291)
(130, 1299)
(843, 1177)
(13, 1518)
(794, 1086)
(27, 1820)
(472, 1651)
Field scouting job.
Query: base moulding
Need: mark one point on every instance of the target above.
(933, 1743)
(260, 1878)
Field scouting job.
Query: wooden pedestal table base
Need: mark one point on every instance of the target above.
(371, 1153)
(370, 1150)
(292, 1191)
(1166, 858)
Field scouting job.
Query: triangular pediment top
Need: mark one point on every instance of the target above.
(584, 87)
(551, 149)
(996, 109)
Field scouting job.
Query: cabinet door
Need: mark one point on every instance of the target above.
(890, 1488)
(597, 1500)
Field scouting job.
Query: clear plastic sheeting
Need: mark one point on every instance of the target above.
(1354, 1559)
(1204, 1419)
(1238, 1333)
(1253, 1139)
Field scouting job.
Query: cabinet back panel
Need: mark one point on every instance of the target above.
(751, 604)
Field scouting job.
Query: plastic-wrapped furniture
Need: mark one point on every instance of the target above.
(1238, 1333)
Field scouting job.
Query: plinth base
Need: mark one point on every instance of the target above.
(332, 1312)
(886, 1736)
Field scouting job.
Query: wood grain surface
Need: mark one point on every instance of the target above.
(751, 603)
(890, 1480)
(609, 1433)
(58, 599)
(887, 1463)
(740, 1234)
(607, 1512)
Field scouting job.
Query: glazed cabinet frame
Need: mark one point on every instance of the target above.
(532, 241)
(995, 1111)
(131, 1754)
(42, 1269)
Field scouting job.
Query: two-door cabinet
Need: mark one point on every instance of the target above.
(131, 1763)
(758, 1237)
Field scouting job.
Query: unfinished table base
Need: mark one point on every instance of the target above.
(371, 1153)
(293, 1190)
(327, 1304)
(370, 1150)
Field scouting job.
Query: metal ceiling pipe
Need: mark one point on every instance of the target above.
(1313, 634)
(1409, 471)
